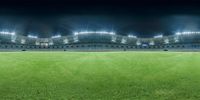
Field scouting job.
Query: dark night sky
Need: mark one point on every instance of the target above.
(143, 18)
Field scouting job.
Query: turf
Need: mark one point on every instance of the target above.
(99, 76)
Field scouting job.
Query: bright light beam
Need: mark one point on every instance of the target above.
(31, 36)
(132, 36)
(158, 36)
(187, 33)
(94, 32)
(7, 33)
(56, 36)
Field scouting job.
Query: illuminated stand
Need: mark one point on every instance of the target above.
(100, 40)
(76, 34)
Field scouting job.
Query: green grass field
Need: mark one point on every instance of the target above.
(99, 76)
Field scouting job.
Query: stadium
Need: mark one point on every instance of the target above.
(99, 50)
(100, 41)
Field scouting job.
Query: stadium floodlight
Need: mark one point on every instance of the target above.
(94, 32)
(31, 36)
(158, 36)
(132, 36)
(56, 36)
(178, 33)
(7, 33)
(186, 33)
(76, 33)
